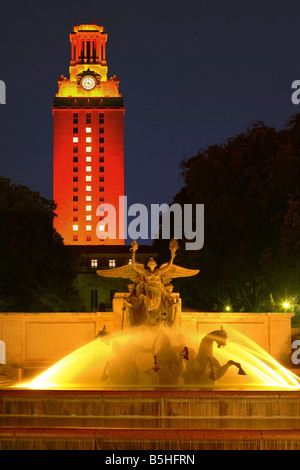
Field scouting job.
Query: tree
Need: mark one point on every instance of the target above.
(36, 269)
(250, 190)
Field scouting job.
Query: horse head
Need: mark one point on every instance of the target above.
(219, 336)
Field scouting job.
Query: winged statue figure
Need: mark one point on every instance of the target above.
(152, 296)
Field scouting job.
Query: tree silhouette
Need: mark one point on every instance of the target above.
(250, 190)
(36, 269)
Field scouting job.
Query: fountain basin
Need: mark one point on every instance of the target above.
(153, 420)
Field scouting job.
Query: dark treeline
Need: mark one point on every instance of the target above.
(250, 187)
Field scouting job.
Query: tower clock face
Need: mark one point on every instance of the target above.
(88, 83)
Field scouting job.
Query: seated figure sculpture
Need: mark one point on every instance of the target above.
(152, 299)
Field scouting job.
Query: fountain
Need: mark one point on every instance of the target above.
(168, 387)
(156, 352)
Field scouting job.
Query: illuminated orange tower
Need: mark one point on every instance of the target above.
(88, 115)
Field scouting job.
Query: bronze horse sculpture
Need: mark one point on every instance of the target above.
(205, 368)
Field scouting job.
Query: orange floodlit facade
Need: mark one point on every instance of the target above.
(88, 116)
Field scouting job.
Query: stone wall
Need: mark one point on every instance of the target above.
(41, 339)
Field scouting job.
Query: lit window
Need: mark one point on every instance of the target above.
(88, 188)
(112, 263)
(130, 261)
(94, 263)
(88, 178)
(88, 149)
(88, 130)
(88, 228)
(75, 139)
(88, 169)
(88, 198)
(101, 228)
(88, 208)
(88, 159)
(88, 139)
(88, 218)
(75, 228)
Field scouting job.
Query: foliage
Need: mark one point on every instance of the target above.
(36, 269)
(250, 190)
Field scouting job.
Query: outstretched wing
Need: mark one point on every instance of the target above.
(177, 271)
(125, 272)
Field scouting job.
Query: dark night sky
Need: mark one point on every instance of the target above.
(192, 74)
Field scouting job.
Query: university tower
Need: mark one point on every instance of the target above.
(88, 114)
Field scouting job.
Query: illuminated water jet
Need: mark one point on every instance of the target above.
(133, 360)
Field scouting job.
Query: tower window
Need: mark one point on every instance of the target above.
(88, 168)
(75, 130)
(88, 159)
(101, 140)
(88, 228)
(101, 179)
(75, 140)
(94, 263)
(88, 218)
(75, 238)
(101, 150)
(88, 208)
(88, 139)
(75, 149)
(88, 188)
(101, 130)
(75, 118)
(75, 159)
(88, 238)
(75, 189)
(75, 198)
(101, 169)
(88, 118)
(75, 228)
(112, 263)
(88, 198)
(101, 159)
(75, 169)
(101, 189)
(89, 149)
(75, 179)
(88, 130)
(88, 178)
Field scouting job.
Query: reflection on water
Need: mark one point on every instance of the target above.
(163, 358)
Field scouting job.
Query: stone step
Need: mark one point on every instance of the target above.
(137, 403)
(23, 438)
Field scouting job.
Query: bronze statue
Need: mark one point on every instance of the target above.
(204, 368)
(152, 287)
